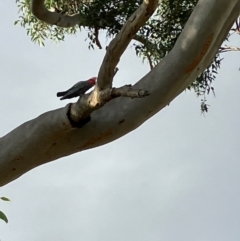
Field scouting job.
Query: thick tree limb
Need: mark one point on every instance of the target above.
(51, 135)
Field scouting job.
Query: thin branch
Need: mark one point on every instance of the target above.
(119, 44)
(97, 42)
(150, 61)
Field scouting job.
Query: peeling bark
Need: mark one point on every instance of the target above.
(51, 135)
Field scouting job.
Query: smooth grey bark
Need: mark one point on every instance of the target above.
(51, 136)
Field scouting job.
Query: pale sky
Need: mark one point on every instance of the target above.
(175, 178)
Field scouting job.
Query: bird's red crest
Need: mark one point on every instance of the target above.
(92, 80)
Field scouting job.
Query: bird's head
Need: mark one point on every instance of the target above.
(92, 81)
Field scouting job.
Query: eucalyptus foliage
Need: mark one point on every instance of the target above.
(153, 41)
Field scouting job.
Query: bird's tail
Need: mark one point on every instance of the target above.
(59, 94)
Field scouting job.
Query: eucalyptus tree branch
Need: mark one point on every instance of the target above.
(54, 18)
(119, 44)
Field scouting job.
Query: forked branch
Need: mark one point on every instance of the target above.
(103, 91)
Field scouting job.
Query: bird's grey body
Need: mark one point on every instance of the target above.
(78, 89)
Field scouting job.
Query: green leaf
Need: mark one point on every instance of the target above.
(3, 217)
(5, 199)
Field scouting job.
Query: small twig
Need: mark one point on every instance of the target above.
(228, 48)
(115, 71)
(97, 42)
